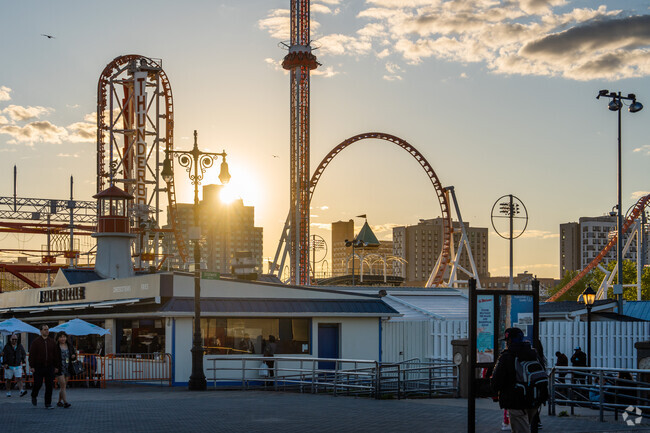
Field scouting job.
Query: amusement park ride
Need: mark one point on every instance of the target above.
(135, 128)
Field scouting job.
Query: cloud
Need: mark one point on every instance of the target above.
(320, 226)
(33, 132)
(338, 44)
(82, 132)
(277, 24)
(645, 149)
(275, 64)
(5, 93)
(317, 8)
(533, 234)
(523, 37)
(21, 114)
(68, 155)
(638, 194)
(386, 228)
(327, 72)
(3, 120)
(539, 234)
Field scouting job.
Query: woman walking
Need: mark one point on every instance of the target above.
(66, 353)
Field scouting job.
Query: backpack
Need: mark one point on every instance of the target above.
(531, 382)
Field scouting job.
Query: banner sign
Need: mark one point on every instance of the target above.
(485, 328)
(140, 103)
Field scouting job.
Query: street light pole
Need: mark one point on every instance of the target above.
(588, 297)
(196, 162)
(616, 104)
(354, 243)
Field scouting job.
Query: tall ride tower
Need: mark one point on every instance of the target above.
(299, 61)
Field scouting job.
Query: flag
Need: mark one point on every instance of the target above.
(362, 216)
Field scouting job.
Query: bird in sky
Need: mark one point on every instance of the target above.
(275, 156)
(48, 36)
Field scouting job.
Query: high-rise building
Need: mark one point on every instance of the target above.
(341, 230)
(227, 229)
(581, 242)
(420, 245)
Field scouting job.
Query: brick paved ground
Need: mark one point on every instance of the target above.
(154, 409)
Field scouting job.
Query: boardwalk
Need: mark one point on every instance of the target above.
(156, 410)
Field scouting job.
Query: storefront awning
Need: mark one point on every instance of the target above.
(360, 307)
(77, 306)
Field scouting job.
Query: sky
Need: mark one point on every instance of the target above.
(499, 96)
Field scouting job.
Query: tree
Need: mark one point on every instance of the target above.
(629, 277)
(595, 278)
(575, 291)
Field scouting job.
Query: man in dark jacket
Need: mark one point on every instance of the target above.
(579, 359)
(43, 364)
(504, 378)
(13, 360)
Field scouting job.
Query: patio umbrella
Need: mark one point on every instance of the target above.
(80, 327)
(16, 325)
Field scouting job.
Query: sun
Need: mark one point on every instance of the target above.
(229, 193)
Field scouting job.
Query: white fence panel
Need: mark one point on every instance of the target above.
(405, 340)
(612, 343)
(443, 332)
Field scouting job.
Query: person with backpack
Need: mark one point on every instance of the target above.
(520, 381)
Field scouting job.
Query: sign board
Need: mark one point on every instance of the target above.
(491, 312)
(485, 328)
(210, 276)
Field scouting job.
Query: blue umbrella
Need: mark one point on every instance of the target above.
(16, 325)
(80, 327)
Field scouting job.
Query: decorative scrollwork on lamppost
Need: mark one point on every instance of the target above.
(196, 163)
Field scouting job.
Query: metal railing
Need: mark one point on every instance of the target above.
(336, 376)
(598, 388)
(414, 377)
(146, 368)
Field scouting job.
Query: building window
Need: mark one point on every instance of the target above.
(141, 336)
(241, 336)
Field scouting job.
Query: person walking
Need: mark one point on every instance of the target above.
(269, 351)
(13, 360)
(67, 355)
(44, 364)
(504, 380)
(561, 361)
(579, 359)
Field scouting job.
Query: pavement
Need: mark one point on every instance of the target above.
(164, 409)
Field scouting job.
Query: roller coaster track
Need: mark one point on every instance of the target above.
(115, 67)
(636, 212)
(440, 193)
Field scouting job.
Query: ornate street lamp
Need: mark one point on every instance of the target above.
(196, 162)
(355, 243)
(616, 104)
(588, 297)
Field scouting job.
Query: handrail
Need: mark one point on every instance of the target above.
(348, 376)
(595, 388)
